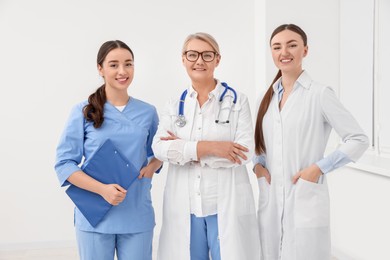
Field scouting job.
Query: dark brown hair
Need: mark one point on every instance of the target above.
(93, 111)
(259, 136)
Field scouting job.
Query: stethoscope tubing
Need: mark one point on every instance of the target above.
(181, 104)
(224, 92)
(181, 121)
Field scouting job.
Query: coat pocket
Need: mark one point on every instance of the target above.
(311, 204)
(264, 188)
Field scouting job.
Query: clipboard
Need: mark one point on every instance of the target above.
(107, 165)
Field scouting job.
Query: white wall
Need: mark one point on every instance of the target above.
(356, 70)
(359, 214)
(382, 70)
(48, 63)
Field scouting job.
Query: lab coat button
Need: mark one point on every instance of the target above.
(198, 176)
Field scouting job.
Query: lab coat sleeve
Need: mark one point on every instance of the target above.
(70, 148)
(354, 141)
(243, 136)
(177, 151)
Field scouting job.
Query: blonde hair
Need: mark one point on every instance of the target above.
(203, 37)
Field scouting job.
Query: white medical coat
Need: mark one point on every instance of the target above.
(237, 225)
(294, 219)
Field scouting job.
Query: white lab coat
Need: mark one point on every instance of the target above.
(294, 219)
(237, 225)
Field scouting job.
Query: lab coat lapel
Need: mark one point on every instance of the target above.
(275, 107)
(189, 111)
(296, 97)
(287, 106)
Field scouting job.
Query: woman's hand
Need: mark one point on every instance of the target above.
(149, 170)
(260, 171)
(171, 136)
(146, 172)
(113, 193)
(311, 173)
(224, 149)
(231, 151)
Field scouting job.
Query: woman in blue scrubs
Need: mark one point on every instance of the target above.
(110, 113)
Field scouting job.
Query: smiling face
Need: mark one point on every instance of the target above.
(199, 70)
(288, 51)
(117, 70)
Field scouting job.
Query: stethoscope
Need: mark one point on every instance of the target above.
(181, 120)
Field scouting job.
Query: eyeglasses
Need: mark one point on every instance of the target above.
(207, 56)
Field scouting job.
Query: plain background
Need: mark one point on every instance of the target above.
(48, 63)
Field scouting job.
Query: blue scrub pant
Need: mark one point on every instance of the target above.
(98, 246)
(204, 238)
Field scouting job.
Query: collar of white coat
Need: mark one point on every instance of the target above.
(303, 80)
(216, 92)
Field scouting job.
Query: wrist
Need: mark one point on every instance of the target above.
(99, 188)
(317, 169)
(258, 170)
(205, 148)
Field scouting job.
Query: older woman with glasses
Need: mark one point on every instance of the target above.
(206, 135)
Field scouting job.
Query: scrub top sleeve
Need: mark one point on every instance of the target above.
(152, 132)
(354, 140)
(258, 159)
(333, 161)
(70, 148)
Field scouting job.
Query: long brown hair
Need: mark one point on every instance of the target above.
(94, 110)
(265, 102)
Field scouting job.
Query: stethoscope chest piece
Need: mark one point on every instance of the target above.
(180, 121)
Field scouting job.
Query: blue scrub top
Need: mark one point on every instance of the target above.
(132, 132)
